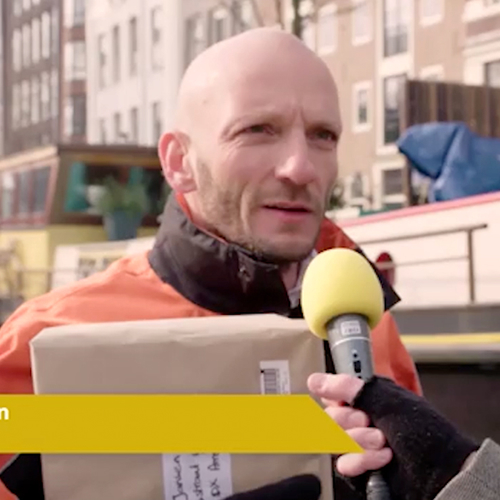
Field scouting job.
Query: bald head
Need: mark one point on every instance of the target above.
(253, 54)
(255, 147)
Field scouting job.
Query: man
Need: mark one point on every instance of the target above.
(421, 454)
(252, 160)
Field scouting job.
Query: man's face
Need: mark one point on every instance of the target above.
(266, 161)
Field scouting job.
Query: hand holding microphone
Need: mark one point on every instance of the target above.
(428, 451)
(342, 299)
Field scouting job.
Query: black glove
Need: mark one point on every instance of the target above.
(23, 477)
(428, 450)
(303, 487)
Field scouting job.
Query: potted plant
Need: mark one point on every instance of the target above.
(122, 207)
(165, 193)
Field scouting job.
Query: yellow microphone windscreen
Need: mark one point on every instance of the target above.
(340, 281)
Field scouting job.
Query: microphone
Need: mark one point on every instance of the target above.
(342, 300)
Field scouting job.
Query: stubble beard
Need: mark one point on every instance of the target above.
(221, 214)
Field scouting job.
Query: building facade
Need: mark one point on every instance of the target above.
(371, 47)
(73, 74)
(30, 73)
(139, 49)
(137, 53)
(1, 84)
(35, 88)
(482, 42)
(127, 61)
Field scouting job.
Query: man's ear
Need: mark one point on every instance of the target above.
(175, 163)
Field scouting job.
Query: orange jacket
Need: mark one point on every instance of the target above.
(130, 290)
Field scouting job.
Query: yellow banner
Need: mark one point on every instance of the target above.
(168, 424)
(452, 339)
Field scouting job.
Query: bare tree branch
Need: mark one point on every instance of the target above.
(278, 5)
(231, 6)
(312, 16)
(298, 20)
(256, 13)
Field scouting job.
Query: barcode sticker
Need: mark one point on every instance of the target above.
(275, 377)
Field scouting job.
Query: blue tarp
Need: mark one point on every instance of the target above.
(457, 162)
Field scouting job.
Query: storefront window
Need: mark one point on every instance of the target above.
(86, 183)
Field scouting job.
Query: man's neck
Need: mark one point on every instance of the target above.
(290, 275)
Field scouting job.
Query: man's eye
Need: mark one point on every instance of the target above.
(258, 129)
(326, 135)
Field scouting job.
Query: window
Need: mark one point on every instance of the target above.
(117, 121)
(35, 100)
(218, 25)
(357, 186)
(307, 15)
(134, 47)
(41, 177)
(156, 39)
(75, 64)
(361, 119)
(35, 40)
(54, 85)
(45, 35)
(45, 96)
(55, 30)
(392, 181)
(78, 12)
(8, 186)
(26, 4)
(16, 106)
(242, 15)
(195, 37)
(247, 15)
(116, 54)
(157, 122)
(492, 74)
(362, 116)
(431, 12)
(134, 125)
(17, 56)
(85, 175)
(102, 131)
(102, 61)
(79, 115)
(75, 115)
(393, 87)
(396, 25)
(25, 103)
(23, 195)
(157, 189)
(35, 2)
(327, 29)
(26, 45)
(18, 7)
(361, 22)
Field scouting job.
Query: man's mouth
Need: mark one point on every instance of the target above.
(289, 207)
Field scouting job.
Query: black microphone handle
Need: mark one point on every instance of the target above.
(350, 345)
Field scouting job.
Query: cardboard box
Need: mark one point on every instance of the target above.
(223, 355)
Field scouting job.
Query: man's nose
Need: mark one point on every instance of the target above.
(295, 164)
